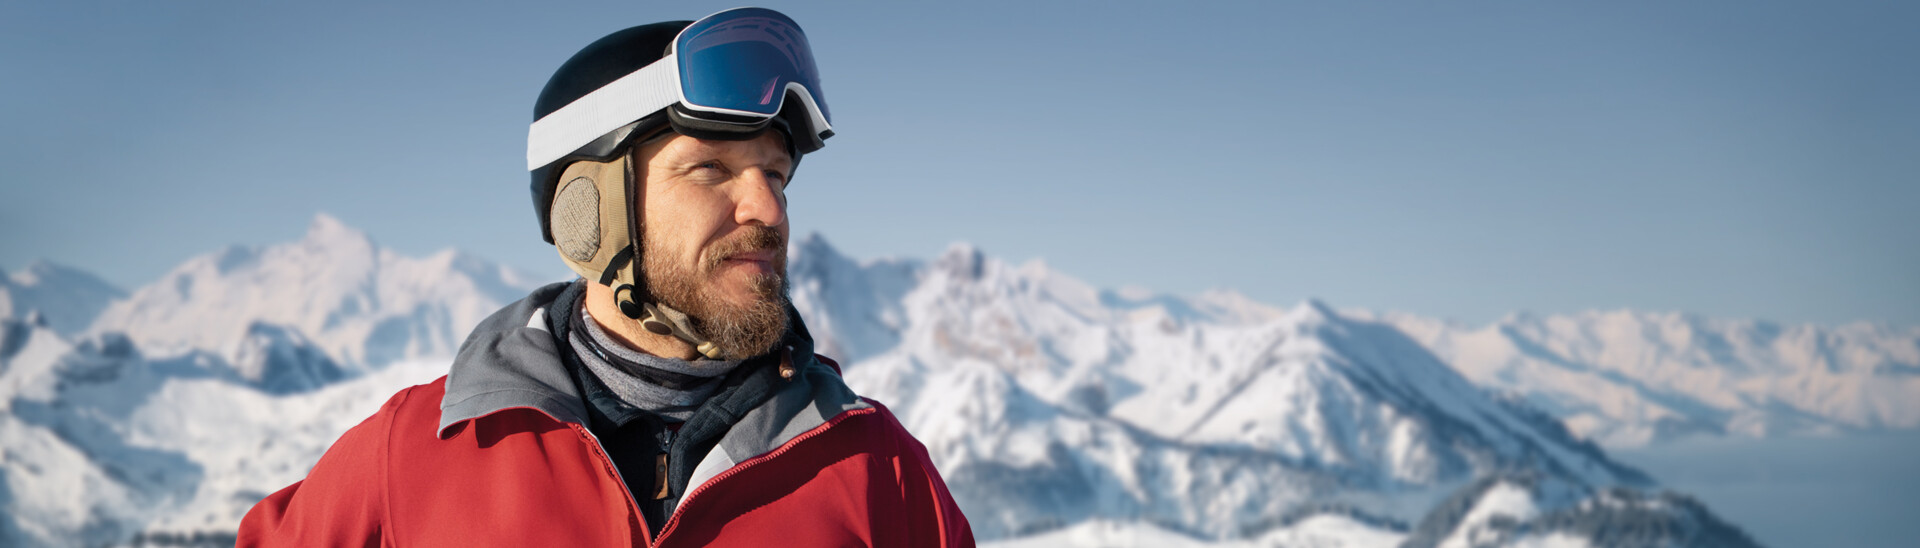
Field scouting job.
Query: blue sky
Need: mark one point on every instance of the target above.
(1456, 159)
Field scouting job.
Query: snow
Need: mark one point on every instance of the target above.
(1554, 540)
(261, 442)
(1048, 402)
(1330, 531)
(1504, 500)
(102, 442)
(856, 306)
(1627, 378)
(1320, 531)
(361, 304)
(1059, 413)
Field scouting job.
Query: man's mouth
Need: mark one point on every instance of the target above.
(761, 256)
(757, 262)
(758, 251)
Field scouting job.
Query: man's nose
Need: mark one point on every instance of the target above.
(761, 200)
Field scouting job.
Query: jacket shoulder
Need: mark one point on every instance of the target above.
(929, 514)
(343, 499)
(860, 477)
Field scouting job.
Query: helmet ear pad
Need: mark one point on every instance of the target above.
(588, 220)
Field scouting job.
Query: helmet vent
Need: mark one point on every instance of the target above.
(576, 219)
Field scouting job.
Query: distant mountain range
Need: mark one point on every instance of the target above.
(1626, 378)
(1057, 411)
(362, 305)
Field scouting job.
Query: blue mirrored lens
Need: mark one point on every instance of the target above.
(743, 59)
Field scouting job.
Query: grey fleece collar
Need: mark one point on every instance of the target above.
(511, 361)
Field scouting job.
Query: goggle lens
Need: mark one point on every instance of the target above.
(743, 59)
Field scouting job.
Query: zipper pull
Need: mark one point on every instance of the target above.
(660, 478)
(786, 364)
(660, 489)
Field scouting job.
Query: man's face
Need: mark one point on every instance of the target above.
(714, 235)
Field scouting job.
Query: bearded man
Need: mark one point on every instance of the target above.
(671, 396)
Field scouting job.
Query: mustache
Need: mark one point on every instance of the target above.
(756, 238)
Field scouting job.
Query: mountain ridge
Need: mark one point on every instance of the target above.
(66, 298)
(1048, 403)
(363, 304)
(1628, 378)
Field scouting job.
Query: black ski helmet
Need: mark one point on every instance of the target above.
(594, 66)
(610, 58)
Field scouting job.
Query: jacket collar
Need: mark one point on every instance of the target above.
(512, 361)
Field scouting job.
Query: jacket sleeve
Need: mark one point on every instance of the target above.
(342, 502)
(936, 519)
(932, 517)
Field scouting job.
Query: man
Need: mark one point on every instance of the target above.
(670, 397)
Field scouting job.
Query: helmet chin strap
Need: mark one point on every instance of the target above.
(661, 319)
(665, 320)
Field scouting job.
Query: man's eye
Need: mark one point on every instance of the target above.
(708, 171)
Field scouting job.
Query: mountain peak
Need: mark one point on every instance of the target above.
(41, 272)
(960, 249)
(1312, 310)
(962, 260)
(815, 244)
(326, 229)
(67, 298)
(364, 305)
(37, 272)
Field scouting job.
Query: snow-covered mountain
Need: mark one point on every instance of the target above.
(1626, 378)
(193, 397)
(1047, 402)
(103, 443)
(362, 304)
(859, 305)
(1526, 509)
(1057, 411)
(66, 299)
(1514, 509)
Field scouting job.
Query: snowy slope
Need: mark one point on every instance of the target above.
(102, 442)
(71, 476)
(1523, 509)
(857, 303)
(195, 396)
(1627, 378)
(67, 299)
(1317, 531)
(365, 306)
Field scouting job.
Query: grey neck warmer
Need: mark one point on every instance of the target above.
(668, 387)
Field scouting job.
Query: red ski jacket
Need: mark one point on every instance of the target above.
(497, 454)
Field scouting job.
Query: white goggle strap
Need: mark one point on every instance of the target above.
(616, 104)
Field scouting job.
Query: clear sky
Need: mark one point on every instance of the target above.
(1455, 159)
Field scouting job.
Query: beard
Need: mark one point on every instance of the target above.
(738, 330)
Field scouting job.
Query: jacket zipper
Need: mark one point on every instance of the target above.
(674, 519)
(633, 507)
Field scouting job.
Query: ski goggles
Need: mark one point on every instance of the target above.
(730, 73)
